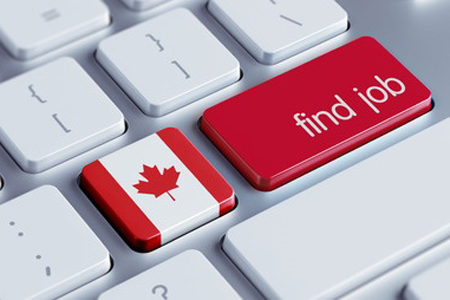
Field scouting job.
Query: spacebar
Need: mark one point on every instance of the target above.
(352, 227)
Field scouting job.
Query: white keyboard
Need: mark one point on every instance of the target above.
(137, 149)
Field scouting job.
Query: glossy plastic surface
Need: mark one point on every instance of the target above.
(317, 112)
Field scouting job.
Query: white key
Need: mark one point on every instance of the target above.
(142, 4)
(54, 113)
(433, 284)
(353, 227)
(31, 28)
(47, 250)
(273, 30)
(188, 275)
(168, 62)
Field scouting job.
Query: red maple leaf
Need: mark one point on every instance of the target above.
(158, 183)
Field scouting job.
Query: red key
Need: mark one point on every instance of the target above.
(315, 113)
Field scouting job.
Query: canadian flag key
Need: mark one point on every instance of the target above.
(157, 189)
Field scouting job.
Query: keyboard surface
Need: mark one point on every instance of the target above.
(414, 31)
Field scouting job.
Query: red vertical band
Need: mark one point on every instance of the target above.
(214, 183)
(119, 208)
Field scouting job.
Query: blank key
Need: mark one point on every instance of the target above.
(168, 62)
(432, 284)
(353, 227)
(273, 30)
(142, 4)
(31, 28)
(54, 113)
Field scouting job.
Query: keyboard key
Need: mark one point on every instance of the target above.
(168, 62)
(274, 30)
(352, 227)
(32, 28)
(282, 129)
(47, 249)
(46, 118)
(188, 275)
(432, 284)
(157, 189)
(142, 4)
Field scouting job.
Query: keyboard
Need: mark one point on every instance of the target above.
(224, 149)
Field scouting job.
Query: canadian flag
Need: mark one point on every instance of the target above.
(157, 189)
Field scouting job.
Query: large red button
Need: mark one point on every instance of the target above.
(315, 113)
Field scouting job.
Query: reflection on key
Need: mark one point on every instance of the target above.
(274, 30)
(47, 249)
(31, 28)
(46, 118)
(168, 62)
(188, 275)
